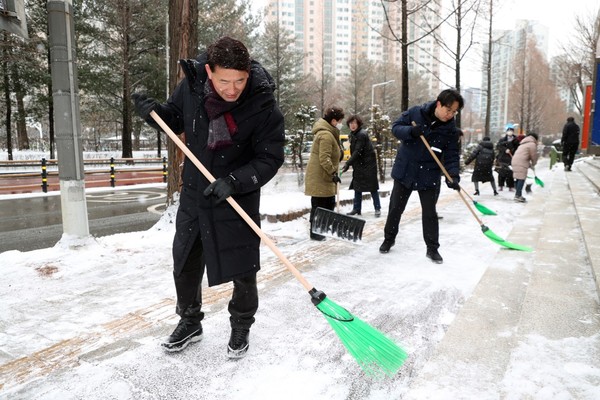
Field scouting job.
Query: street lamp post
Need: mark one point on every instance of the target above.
(373, 86)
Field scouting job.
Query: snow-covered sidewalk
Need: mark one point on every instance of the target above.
(85, 319)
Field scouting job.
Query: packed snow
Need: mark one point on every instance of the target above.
(85, 318)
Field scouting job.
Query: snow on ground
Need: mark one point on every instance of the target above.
(70, 296)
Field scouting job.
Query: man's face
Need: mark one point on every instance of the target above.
(229, 83)
(445, 113)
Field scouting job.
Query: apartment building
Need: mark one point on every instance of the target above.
(506, 46)
(332, 33)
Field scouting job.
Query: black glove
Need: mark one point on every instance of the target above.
(345, 168)
(416, 131)
(144, 104)
(222, 188)
(336, 179)
(454, 183)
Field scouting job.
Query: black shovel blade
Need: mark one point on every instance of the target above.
(327, 222)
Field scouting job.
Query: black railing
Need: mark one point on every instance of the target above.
(15, 175)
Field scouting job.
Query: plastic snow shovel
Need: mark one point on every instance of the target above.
(334, 224)
(482, 209)
(486, 231)
(376, 354)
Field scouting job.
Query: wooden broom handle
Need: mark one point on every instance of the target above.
(437, 160)
(233, 203)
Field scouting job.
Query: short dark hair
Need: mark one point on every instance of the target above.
(356, 118)
(447, 97)
(228, 53)
(570, 119)
(332, 113)
(534, 135)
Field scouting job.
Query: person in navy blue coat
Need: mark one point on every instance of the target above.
(415, 168)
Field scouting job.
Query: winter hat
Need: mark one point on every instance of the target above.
(486, 139)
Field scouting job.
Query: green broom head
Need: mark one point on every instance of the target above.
(539, 182)
(498, 240)
(376, 354)
(483, 209)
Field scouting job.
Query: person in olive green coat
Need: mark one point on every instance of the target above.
(323, 164)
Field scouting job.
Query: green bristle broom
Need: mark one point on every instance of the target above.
(376, 354)
(482, 209)
(486, 231)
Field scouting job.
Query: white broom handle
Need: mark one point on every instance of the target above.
(232, 202)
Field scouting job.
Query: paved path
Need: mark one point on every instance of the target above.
(547, 297)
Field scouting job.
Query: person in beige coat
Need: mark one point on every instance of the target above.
(323, 164)
(525, 157)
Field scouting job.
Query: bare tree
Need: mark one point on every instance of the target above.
(488, 67)
(576, 65)
(464, 24)
(390, 32)
(357, 88)
(534, 100)
(277, 53)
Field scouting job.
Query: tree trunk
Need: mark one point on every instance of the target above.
(183, 43)
(22, 138)
(127, 148)
(5, 52)
(458, 53)
(50, 105)
(488, 94)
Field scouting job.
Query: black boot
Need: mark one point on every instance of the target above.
(188, 330)
(434, 256)
(354, 212)
(386, 246)
(238, 343)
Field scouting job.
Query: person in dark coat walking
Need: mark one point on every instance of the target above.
(415, 168)
(570, 142)
(505, 148)
(364, 166)
(484, 162)
(226, 108)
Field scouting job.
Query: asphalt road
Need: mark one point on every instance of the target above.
(30, 223)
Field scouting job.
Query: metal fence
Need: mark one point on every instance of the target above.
(26, 176)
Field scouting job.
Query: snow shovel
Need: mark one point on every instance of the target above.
(377, 355)
(334, 224)
(482, 209)
(486, 231)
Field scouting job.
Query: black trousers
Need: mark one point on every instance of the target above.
(429, 218)
(188, 285)
(569, 150)
(323, 202)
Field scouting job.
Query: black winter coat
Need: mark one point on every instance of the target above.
(484, 161)
(363, 162)
(570, 134)
(414, 167)
(230, 246)
(503, 158)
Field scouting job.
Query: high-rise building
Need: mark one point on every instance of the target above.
(331, 33)
(506, 46)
